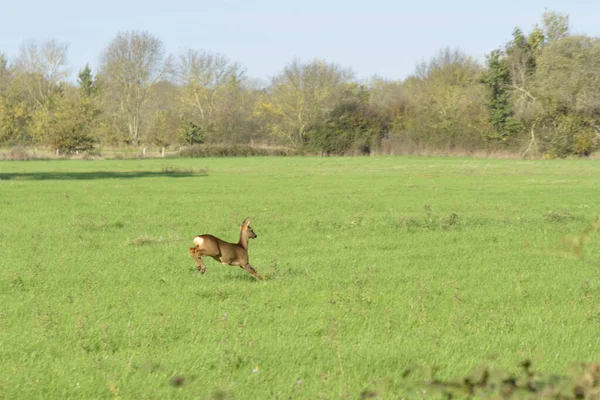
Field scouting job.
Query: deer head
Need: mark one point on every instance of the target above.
(248, 229)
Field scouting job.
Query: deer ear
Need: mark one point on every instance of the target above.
(246, 222)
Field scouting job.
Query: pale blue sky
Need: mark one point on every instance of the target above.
(387, 38)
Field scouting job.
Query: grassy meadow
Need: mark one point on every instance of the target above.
(374, 266)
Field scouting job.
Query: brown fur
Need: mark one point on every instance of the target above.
(225, 252)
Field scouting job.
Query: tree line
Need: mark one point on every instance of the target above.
(538, 94)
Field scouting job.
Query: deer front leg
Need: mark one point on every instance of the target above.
(253, 272)
(199, 263)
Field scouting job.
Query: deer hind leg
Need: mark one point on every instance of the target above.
(195, 252)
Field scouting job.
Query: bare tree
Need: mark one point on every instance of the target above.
(41, 68)
(301, 94)
(207, 78)
(386, 94)
(556, 25)
(4, 73)
(130, 65)
(521, 61)
(207, 70)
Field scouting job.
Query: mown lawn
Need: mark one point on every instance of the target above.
(374, 266)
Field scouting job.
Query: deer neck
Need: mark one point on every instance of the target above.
(243, 240)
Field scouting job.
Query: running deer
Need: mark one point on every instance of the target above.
(225, 252)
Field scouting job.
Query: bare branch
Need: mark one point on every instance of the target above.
(131, 64)
(42, 67)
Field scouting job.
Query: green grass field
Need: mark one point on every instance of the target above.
(373, 265)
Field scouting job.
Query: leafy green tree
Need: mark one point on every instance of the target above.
(190, 132)
(14, 118)
(568, 87)
(496, 80)
(446, 103)
(87, 84)
(513, 107)
(163, 128)
(12, 111)
(64, 125)
(353, 125)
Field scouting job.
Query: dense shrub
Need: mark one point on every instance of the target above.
(233, 150)
(16, 153)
